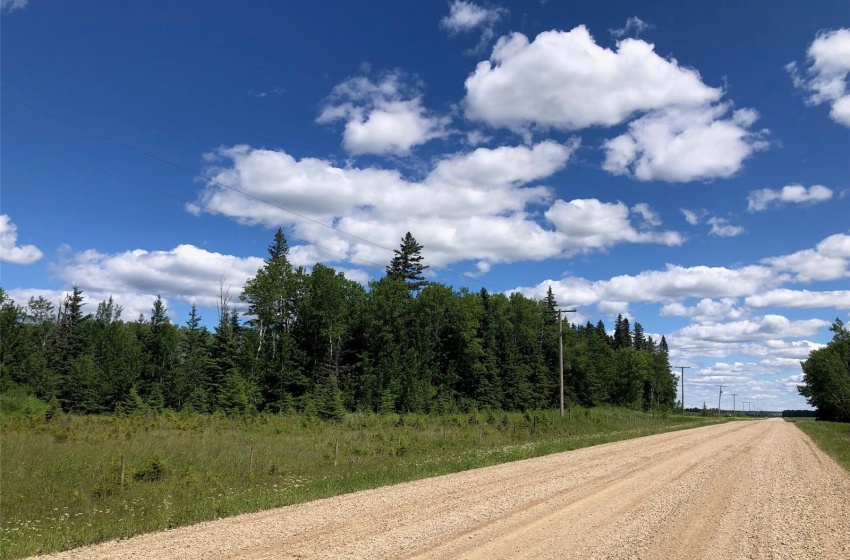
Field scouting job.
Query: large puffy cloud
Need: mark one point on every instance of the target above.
(681, 144)
(692, 346)
(826, 76)
(759, 283)
(767, 327)
(9, 250)
(485, 190)
(386, 117)
(673, 283)
(829, 260)
(589, 223)
(784, 297)
(186, 273)
(707, 310)
(565, 80)
(798, 194)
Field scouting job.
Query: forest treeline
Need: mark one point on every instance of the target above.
(826, 376)
(321, 344)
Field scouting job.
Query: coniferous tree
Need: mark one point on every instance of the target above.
(191, 381)
(272, 297)
(638, 338)
(117, 352)
(622, 333)
(485, 382)
(407, 264)
(13, 347)
(160, 353)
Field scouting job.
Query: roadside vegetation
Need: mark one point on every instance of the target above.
(832, 437)
(61, 478)
(826, 376)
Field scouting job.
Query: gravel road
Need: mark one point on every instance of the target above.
(737, 490)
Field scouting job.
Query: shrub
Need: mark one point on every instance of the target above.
(153, 469)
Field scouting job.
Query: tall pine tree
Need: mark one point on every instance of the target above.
(407, 264)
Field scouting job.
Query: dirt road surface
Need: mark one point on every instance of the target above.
(739, 490)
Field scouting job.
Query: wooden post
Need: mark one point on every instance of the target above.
(251, 459)
(336, 452)
(123, 467)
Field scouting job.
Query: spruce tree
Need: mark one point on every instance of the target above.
(407, 264)
(638, 339)
(622, 333)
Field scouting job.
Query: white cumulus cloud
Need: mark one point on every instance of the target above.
(707, 310)
(466, 16)
(829, 260)
(826, 77)
(767, 327)
(564, 80)
(589, 223)
(798, 194)
(801, 299)
(722, 228)
(186, 273)
(9, 250)
(672, 283)
(384, 117)
(682, 144)
(492, 190)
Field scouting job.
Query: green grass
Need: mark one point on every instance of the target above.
(832, 437)
(60, 479)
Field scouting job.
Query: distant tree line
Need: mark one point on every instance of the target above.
(321, 344)
(826, 376)
(799, 413)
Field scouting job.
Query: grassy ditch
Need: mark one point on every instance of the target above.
(60, 480)
(832, 437)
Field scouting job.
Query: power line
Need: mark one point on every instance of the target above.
(219, 183)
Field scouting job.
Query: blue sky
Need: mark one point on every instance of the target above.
(683, 164)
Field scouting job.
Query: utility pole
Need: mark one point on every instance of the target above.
(683, 368)
(561, 351)
(743, 403)
(718, 398)
(733, 402)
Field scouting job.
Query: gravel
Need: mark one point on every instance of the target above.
(757, 489)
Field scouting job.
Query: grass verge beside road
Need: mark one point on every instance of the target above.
(832, 437)
(61, 480)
